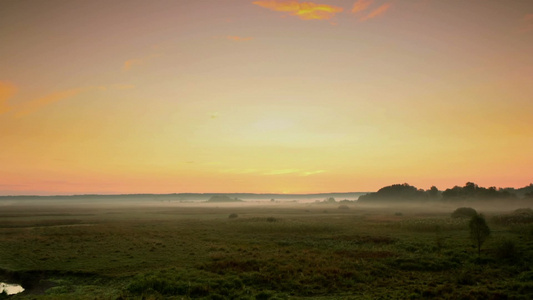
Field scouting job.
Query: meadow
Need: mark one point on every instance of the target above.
(265, 250)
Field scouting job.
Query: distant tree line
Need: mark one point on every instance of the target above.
(472, 191)
(401, 192)
(469, 192)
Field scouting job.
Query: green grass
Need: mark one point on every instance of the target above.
(270, 251)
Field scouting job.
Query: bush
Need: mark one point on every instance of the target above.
(467, 277)
(519, 216)
(425, 264)
(526, 211)
(464, 212)
(506, 251)
(330, 200)
(264, 295)
(233, 216)
(165, 283)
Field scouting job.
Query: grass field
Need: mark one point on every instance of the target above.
(269, 251)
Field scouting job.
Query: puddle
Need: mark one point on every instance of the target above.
(10, 289)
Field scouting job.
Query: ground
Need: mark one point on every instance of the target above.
(160, 250)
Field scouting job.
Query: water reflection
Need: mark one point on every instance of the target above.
(10, 289)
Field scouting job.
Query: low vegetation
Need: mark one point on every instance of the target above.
(270, 251)
(223, 198)
(519, 216)
(464, 212)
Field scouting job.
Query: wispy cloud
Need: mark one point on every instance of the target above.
(281, 172)
(361, 5)
(527, 23)
(7, 90)
(138, 61)
(240, 171)
(376, 12)
(123, 86)
(303, 10)
(238, 38)
(34, 105)
(309, 173)
(266, 172)
(130, 63)
(294, 171)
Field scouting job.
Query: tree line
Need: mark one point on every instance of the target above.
(469, 192)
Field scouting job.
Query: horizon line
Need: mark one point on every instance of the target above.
(184, 193)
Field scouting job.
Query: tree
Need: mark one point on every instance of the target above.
(395, 193)
(472, 191)
(479, 231)
(433, 192)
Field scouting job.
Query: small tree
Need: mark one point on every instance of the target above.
(479, 231)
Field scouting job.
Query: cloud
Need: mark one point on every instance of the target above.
(309, 173)
(293, 171)
(361, 5)
(303, 10)
(238, 171)
(239, 38)
(123, 86)
(7, 90)
(266, 172)
(527, 23)
(130, 63)
(376, 12)
(34, 105)
(281, 172)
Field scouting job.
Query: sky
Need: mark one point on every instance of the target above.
(267, 96)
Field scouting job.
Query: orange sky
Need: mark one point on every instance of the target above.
(264, 96)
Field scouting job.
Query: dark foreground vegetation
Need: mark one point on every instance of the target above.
(263, 251)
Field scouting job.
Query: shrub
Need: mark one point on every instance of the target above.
(439, 239)
(264, 295)
(464, 212)
(233, 216)
(467, 277)
(330, 200)
(223, 198)
(507, 251)
(519, 216)
(526, 211)
(271, 219)
(423, 264)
